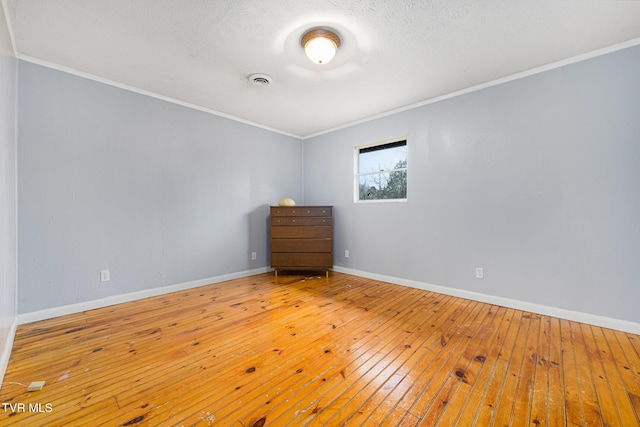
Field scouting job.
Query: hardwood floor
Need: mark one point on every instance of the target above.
(316, 351)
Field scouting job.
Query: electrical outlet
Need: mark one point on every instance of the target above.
(346, 253)
(479, 273)
(254, 256)
(104, 276)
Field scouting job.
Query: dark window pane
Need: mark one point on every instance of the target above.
(381, 160)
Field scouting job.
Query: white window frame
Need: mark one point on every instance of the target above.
(356, 169)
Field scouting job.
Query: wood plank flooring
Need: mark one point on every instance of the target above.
(311, 351)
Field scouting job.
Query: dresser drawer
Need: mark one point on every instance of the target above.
(294, 220)
(301, 232)
(301, 245)
(302, 211)
(299, 260)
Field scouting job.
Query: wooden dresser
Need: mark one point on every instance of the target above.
(301, 238)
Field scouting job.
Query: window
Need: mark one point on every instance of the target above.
(381, 171)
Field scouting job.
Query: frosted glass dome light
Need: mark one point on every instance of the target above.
(320, 45)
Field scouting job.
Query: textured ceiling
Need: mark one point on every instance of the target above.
(395, 53)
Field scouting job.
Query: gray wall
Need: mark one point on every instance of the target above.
(536, 180)
(157, 193)
(8, 143)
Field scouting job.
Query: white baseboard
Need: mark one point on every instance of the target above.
(117, 299)
(6, 352)
(592, 319)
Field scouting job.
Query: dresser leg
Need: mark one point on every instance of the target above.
(276, 271)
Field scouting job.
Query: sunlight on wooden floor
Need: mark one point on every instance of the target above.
(310, 351)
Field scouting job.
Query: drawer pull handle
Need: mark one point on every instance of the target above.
(294, 220)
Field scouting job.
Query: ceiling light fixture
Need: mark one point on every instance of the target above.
(320, 45)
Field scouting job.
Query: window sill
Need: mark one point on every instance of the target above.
(380, 201)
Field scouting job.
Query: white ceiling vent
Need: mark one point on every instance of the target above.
(260, 79)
